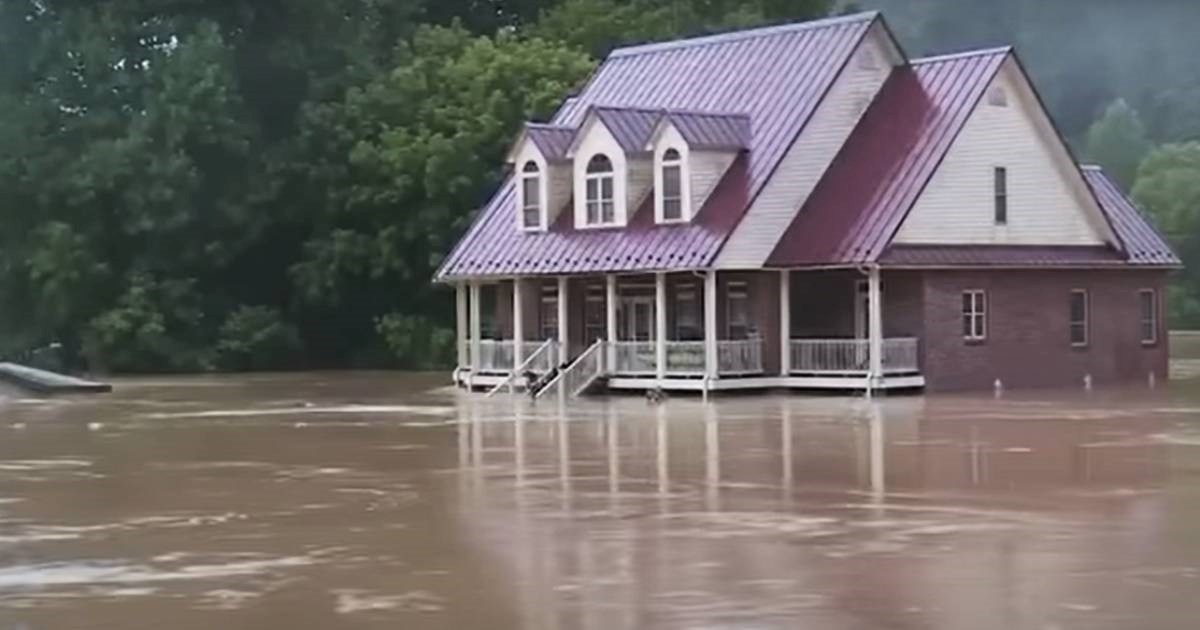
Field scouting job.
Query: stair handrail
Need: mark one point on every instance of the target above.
(521, 369)
(560, 378)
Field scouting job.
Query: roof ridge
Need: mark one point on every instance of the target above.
(542, 125)
(1092, 167)
(976, 52)
(731, 36)
(667, 111)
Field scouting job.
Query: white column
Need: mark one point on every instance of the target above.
(875, 324)
(460, 303)
(785, 322)
(564, 331)
(710, 324)
(660, 326)
(610, 315)
(518, 323)
(476, 326)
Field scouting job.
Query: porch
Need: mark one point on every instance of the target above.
(702, 332)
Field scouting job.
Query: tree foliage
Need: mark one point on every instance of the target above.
(1117, 141)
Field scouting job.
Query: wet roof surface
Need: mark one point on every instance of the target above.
(1143, 243)
(776, 76)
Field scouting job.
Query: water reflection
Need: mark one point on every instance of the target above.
(854, 513)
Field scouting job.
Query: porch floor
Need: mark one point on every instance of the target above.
(484, 381)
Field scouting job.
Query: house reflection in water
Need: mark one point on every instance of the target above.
(617, 514)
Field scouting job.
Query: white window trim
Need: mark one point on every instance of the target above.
(996, 170)
(599, 177)
(1154, 317)
(979, 309)
(1087, 319)
(685, 186)
(543, 189)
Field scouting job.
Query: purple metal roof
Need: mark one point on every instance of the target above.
(552, 140)
(871, 185)
(630, 126)
(776, 76)
(1143, 244)
(712, 131)
(1000, 256)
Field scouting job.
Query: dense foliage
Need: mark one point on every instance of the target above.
(206, 184)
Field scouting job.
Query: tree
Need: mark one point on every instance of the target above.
(1117, 141)
(1168, 186)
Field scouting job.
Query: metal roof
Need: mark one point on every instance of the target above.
(776, 76)
(1000, 256)
(551, 140)
(1143, 243)
(630, 126)
(711, 131)
(885, 164)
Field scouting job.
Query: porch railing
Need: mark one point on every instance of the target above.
(739, 357)
(539, 360)
(495, 355)
(634, 357)
(852, 357)
(685, 357)
(578, 376)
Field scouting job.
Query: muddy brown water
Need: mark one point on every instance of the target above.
(368, 500)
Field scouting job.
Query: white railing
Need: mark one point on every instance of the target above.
(495, 356)
(739, 357)
(539, 360)
(852, 357)
(578, 376)
(685, 357)
(634, 357)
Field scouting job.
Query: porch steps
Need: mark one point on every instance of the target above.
(577, 378)
(524, 371)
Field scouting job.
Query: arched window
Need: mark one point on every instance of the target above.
(599, 190)
(531, 196)
(672, 186)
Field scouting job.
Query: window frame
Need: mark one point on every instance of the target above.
(526, 176)
(1152, 321)
(676, 164)
(997, 97)
(973, 321)
(1000, 195)
(1085, 323)
(594, 307)
(686, 299)
(548, 314)
(599, 180)
(740, 290)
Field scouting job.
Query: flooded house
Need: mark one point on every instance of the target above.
(805, 206)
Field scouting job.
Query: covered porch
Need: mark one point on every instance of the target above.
(688, 331)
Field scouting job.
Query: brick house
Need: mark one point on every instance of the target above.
(803, 206)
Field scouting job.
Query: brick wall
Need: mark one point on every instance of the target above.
(1028, 338)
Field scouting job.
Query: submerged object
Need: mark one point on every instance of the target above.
(44, 382)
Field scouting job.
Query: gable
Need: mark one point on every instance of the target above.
(1048, 202)
(812, 151)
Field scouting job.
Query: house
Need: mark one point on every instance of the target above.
(804, 206)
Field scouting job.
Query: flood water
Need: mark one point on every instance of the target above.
(392, 501)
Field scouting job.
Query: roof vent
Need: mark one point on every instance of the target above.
(997, 97)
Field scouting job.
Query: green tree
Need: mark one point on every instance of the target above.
(1168, 186)
(1117, 141)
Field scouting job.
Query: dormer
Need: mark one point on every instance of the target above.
(612, 168)
(542, 175)
(691, 153)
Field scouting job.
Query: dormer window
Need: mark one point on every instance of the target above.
(531, 196)
(598, 179)
(672, 186)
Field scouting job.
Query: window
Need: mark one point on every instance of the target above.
(599, 193)
(997, 97)
(595, 322)
(974, 315)
(866, 61)
(1001, 180)
(548, 313)
(1148, 319)
(672, 186)
(1079, 317)
(531, 196)
(687, 314)
(738, 324)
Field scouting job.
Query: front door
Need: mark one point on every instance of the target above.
(637, 318)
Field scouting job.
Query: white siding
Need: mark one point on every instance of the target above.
(1047, 204)
(597, 139)
(641, 178)
(559, 186)
(805, 162)
(706, 170)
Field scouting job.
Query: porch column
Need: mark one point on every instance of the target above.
(518, 324)
(785, 322)
(476, 326)
(564, 356)
(461, 326)
(660, 326)
(875, 324)
(610, 318)
(710, 324)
